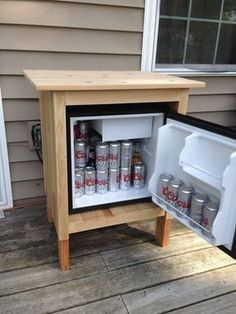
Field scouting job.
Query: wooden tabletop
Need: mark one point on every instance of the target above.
(106, 80)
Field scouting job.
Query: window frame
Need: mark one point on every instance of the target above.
(149, 46)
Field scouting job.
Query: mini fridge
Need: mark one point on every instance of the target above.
(199, 153)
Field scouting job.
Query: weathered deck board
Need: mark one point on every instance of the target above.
(49, 274)
(177, 294)
(113, 270)
(112, 305)
(225, 304)
(97, 287)
(144, 252)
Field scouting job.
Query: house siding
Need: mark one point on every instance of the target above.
(76, 35)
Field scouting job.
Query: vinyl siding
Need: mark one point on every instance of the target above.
(77, 35)
(66, 35)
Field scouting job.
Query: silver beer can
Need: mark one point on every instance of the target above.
(173, 190)
(138, 175)
(126, 154)
(114, 179)
(79, 182)
(196, 209)
(89, 180)
(102, 156)
(184, 199)
(125, 178)
(83, 131)
(101, 181)
(114, 155)
(163, 183)
(210, 211)
(80, 154)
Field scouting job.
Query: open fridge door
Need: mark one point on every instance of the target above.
(202, 155)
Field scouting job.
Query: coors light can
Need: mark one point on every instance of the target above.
(184, 199)
(102, 181)
(126, 154)
(79, 182)
(196, 209)
(89, 180)
(80, 154)
(114, 179)
(138, 175)
(83, 131)
(102, 156)
(125, 178)
(173, 190)
(210, 210)
(164, 180)
(114, 155)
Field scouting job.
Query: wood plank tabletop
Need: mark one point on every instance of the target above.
(106, 80)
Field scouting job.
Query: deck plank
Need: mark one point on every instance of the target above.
(147, 251)
(183, 292)
(225, 304)
(112, 305)
(94, 288)
(49, 274)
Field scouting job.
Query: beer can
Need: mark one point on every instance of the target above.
(210, 210)
(83, 131)
(80, 154)
(114, 155)
(89, 180)
(125, 178)
(196, 209)
(101, 181)
(114, 179)
(162, 188)
(138, 175)
(126, 154)
(79, 182)
(173, 190)
(184, 199)
(102, 156)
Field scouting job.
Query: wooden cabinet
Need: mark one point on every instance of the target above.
(59, 89)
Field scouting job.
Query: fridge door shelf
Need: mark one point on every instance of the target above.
(206, 157)
(184, 219)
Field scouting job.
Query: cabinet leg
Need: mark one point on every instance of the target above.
(63, 254)
(162, 232)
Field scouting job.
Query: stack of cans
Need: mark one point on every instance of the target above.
(183, 197)
(105, 166)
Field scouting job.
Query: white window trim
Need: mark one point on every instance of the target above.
(149, 44)
(5, 179)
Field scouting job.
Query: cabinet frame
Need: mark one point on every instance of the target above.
(53, 102)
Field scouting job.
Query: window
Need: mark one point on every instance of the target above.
(190, 35)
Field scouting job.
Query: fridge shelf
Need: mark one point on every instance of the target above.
(183, 218)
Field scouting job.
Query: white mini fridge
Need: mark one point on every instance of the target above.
(199, 153)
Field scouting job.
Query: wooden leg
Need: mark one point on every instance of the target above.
(162, 232)
(63, 254)
(49, 211)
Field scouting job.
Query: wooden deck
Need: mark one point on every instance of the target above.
(113, 270)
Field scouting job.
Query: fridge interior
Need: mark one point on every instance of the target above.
(205, 160)
(142, 128)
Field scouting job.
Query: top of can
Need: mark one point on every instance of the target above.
(102, 144)
(166, 177)
(80, 142)
(176, 183)
(114, 144)
(200, 197)
(89, 169)
(126, 142)
(139, 164)
(186, 189)
(212, 206)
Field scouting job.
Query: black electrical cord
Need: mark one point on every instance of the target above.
(33, 140)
